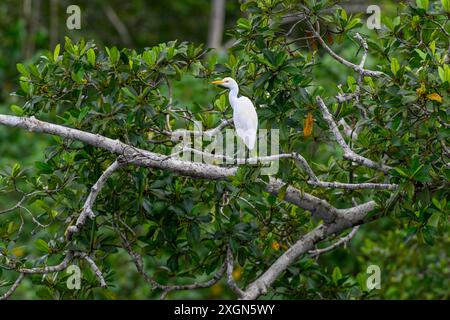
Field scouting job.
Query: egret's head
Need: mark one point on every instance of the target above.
(227, 82)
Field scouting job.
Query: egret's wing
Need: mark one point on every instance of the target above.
(245, 121)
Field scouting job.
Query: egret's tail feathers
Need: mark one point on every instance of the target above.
(249, 138)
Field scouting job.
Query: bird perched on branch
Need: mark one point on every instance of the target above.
(245, 118)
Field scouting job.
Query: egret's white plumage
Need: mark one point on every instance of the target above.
(245, 117)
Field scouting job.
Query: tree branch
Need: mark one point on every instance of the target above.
(13, 288)
(216, 24)
(149, 159)
(26, 196)
(93, 266)
(118, 25)
(348, 218)
(358, 68)
(365, 48)
(217, 276)
(50, 269)
(179, 133)
(230, 281)
(70, 255)
(87, 207)
(349, 154)
(341, 241)
(314, 180)
(335, 220)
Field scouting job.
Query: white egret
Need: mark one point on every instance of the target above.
(245, 118)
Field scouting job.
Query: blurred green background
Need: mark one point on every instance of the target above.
(410, 269)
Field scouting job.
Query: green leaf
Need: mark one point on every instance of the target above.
(434, 219)
(261, 80)
(410, 189)
(200, 209)
(395, 66)
(17, 110)
(355, 22)
(45, 294)
(56, 52)
(149, 57)
(401, 172)
(433, 47)
(444, 73)
(54, 213)
(178, 72)
(41, 204)
(41, 245)
(21, 68)
(113, 55)
(436, 203)
(441, 74)
(344, 15)
(25, 85)
(34, 71)
(78, 76)
(127, 92)
(43, 167)
(446, 5)
(280, 59)
(422, 4)
(15, 170)
(388, 22)
(422, 54)
(83, 113)
(221, 103)
(337, 275)
(194, 234)
(270, 57)
(91, 56)
(416, 171)
(172, 262)
(243, 23)
(11, 227)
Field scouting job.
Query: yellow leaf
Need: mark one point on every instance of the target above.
(275, 246)
(422, 90)
(110, 295)
(216, 290)
(18, 251)
(308, 125)
(434, 97)
(237, 273)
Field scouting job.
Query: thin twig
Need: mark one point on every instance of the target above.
(314, 180)
(341, 60)
(230, 280)
(13, 288)
(341, 241)
(94, 267)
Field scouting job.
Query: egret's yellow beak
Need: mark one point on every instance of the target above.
(217, 82)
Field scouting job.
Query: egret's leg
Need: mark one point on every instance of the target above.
(253, 154)
(240, 149)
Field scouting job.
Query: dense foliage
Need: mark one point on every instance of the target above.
(183, 226)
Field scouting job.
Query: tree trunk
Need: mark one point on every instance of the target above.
(216, 24)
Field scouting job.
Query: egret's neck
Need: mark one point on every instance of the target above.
(233, 95)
